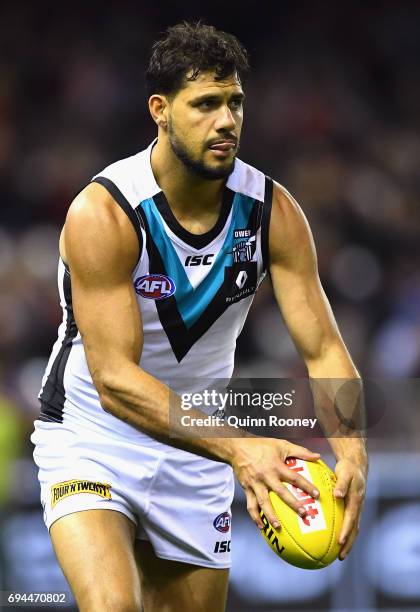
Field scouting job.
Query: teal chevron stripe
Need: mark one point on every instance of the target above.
(193, 302)
(173, 266)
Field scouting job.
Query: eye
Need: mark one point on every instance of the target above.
(206, 104)
(236, 103)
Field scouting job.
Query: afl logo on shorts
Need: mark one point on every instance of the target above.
(154, 286)
(222, 522)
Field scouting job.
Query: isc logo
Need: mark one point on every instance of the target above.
(222, 547)
(154, 286)
(199, 260)
(222, 522)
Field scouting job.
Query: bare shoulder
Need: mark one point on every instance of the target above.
(97, 228)
(95, 206)
(290, 235)
(286, 212)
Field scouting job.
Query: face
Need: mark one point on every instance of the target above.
(204, 125)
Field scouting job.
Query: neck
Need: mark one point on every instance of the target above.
(184, 190)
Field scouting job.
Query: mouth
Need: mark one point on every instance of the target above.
(223, 145)
(223, 148)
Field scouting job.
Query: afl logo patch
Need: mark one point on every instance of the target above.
(222, 522)
(154, 286)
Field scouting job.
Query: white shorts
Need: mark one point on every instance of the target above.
(178, 501)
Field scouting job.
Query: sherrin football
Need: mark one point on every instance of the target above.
(310, 542)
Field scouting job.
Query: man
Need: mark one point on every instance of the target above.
(160, 257)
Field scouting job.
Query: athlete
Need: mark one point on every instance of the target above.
(160, 257)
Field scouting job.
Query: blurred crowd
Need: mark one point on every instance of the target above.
(331, 113)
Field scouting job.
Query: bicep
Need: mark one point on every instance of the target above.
(101, 251)
(109, 322)
(297, 287)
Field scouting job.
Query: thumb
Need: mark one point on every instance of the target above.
(342, 485)
(300, 452)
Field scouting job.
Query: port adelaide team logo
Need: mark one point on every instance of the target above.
(222, 522)
(244, 249)
(154, 286)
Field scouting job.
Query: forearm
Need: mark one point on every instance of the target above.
(339, 408)
(141, 400)
(339, 404)
(353, 448)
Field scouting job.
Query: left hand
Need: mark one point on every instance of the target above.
(350, 485)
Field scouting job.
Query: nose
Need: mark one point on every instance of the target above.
(225, 120)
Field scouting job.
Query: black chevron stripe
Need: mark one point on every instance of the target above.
(265, 222)
(53, 396)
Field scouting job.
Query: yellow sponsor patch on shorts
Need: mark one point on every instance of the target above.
(74, 487)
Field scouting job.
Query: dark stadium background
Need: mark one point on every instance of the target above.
(333, 113)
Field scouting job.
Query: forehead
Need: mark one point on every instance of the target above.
(207, 83)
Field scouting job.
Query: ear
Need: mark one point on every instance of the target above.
(158, 107)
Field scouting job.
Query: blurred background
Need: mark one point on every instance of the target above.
(332, 113)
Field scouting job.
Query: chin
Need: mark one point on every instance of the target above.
(218, 172)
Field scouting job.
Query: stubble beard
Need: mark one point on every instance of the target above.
(199, 168)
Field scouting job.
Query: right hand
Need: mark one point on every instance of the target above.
(259, 465)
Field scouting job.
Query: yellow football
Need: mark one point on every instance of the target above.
(310, 542)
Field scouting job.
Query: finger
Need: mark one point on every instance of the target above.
(344, 551)
(298, 481)
(354, 504)
(253, 508)
(288, 498)
(264, 503)
(302, 453)
(351, 514)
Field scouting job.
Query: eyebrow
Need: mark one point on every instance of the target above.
(215, 97)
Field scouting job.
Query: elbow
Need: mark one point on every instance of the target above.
(116, 390)
(106, 387)
(122, 386)
(107, 402)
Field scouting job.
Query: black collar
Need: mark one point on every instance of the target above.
(198, 241)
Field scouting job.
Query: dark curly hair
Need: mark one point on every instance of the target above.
(197, 47)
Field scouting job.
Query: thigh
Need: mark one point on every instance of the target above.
(96, 553)
(188, 513)
(171, 586)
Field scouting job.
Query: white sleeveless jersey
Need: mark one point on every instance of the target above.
(193, 291)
